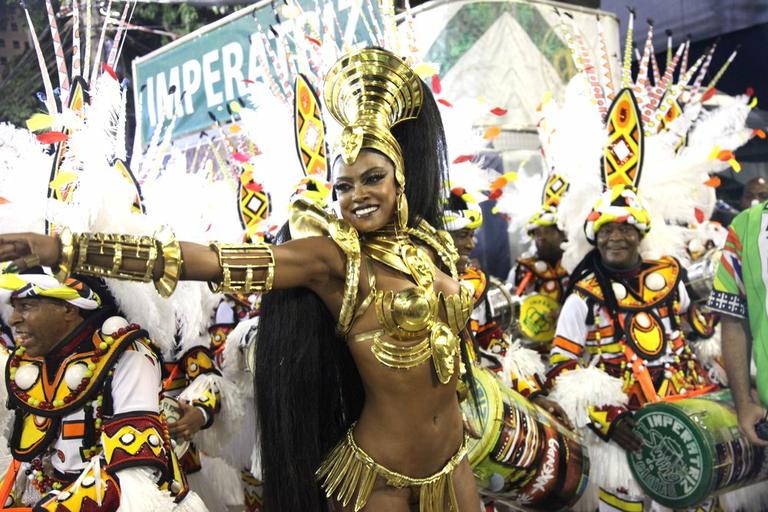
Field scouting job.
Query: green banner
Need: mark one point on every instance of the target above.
(205, 70)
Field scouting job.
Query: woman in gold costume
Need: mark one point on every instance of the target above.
(359, 351)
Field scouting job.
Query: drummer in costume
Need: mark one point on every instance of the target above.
(462, 218)
(542, 272)
(84, 388)
(540, 279)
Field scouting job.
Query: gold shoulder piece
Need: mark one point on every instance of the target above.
(458, 308)
(347, 238)
(307, 219)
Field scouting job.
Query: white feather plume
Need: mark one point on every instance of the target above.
(26, 169)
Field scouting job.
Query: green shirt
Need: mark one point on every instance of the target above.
(741, 280)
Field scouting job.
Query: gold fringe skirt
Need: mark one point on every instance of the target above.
(348, 472)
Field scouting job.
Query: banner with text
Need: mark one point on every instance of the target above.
(202, 72)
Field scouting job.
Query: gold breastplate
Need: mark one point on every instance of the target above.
(410, 317)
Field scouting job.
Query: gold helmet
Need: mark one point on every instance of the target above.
(368, 92)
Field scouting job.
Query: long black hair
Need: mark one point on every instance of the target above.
(426, 162)
(308, 390)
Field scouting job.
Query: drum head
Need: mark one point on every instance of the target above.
(538, 317)
(480, 416)
(170, 408)
(675, 465)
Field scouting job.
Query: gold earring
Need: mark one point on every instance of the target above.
(402, 210)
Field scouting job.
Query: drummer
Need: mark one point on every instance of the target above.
(619, 342)
(542, 271)
(519, 367)
(540, 278)
(739, 295)
(83, 386)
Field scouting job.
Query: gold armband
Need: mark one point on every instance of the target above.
(171, 250)
(119, 247)
(68, 240)
(239, 265)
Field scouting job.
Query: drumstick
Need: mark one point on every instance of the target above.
(169, 380)
(9, 480)
(524, 283)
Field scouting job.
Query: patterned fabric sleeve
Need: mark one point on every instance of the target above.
(136, 435)
(570, 335)
(728, 295)
(565, 355)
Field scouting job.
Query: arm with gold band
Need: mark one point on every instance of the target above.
(245, 268)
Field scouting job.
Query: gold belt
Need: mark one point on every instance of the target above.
(350, 473)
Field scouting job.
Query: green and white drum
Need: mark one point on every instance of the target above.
(519, 453)
(693, 450)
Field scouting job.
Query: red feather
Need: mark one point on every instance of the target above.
(498, 111)
(463, 158)
(710, 92)
(436, 87)
(495, 194)
(445, 102)
(52, 137)
(750, 92)
(313, 41)
(248, 81)
(725, 155)
(108, 69)
(699, 215)
(254, 187)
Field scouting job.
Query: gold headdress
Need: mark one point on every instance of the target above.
(369, 91)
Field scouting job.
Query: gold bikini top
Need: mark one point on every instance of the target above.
(409, 318)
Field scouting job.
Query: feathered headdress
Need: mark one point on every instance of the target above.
(651, 134)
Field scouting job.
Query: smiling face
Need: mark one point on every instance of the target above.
(366, 190)
(618, 244)
(464, 240)
(39, 324)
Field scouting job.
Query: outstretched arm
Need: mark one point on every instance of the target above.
(309, 262)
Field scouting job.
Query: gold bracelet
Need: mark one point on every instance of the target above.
(68, 241)
(120, 248)
(172, 262)
(243, 260)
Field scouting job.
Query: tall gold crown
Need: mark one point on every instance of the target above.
(369, 91)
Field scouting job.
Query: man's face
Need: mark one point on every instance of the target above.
(39, 324)
(464, 240)
(756, 191)
(618, 243)
(548, 241)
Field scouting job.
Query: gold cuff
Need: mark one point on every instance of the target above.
(243, 260)
(120, 248)
(172, 262)
(68, 241)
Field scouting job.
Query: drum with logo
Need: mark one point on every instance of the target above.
(693, 449)
(538, 318)
(518, 452)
